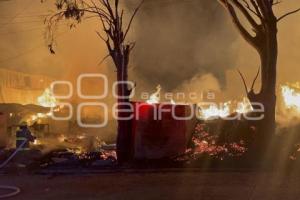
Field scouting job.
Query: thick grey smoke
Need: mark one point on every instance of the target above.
(178, 39)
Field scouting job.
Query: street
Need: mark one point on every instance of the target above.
(167, 185)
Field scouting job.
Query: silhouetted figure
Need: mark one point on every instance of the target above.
(24, 135)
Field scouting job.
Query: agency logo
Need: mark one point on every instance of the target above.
(202, 110)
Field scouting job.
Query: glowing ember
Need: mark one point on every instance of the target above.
(155, 97)
(37, 142)
(47, 99)
(291, 96)
(204, 143)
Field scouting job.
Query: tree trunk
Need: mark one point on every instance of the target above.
(268, 51)
(124, 126)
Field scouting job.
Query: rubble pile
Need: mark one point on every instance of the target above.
(212, 145)
(34, 160)
(64, 159)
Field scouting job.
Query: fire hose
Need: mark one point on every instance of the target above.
(15, 189)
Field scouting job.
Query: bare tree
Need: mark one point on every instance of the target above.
(113, 33)
(263, 38)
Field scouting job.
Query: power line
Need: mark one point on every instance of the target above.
(23, 10)
(26, 16)
(22, 31)
(30, 29)
(25, 26)
(27, 51)
(147, 6)
(23, 14)
(4, 0)
(21, 54)
(23, 22)
(167, 3)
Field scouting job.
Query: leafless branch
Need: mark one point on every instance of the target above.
(247, 5)
(246, 35)
(245, 13)
(244, 81)
(288, 14)
(103, 59)
(132, 17)
(255, 79)
(253, 83)
(276, 2)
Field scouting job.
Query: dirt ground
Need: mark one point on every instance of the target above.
(167, 185)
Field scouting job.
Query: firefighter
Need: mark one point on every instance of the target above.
(22, 135)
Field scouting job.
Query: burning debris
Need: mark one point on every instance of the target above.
(224, 110)
(155, 97)
(168, 137)
(78, 158)
(288, 108)
(68, 152)
(213, 137)
(57, 140)
(47, 99)
(291, 96)
(214, 111)
(205, 143)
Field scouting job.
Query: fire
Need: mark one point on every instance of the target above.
(76, 151)
(214, 111)
(155, 97)
(37, 142)
(172, 102)
(244, 106)
(38, 117)
(62, 138)
(47, 99)
(291, 96)
(225, 109)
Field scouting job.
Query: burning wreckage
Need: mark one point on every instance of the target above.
(57, 144)
(26, 109)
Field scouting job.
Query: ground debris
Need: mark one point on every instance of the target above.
(68, 158)
(32, 161)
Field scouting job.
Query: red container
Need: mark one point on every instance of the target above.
(157, 134)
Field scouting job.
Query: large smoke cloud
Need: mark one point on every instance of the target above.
(177, 40)
(181, 44)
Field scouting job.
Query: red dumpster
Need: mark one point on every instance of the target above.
(160, 130)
